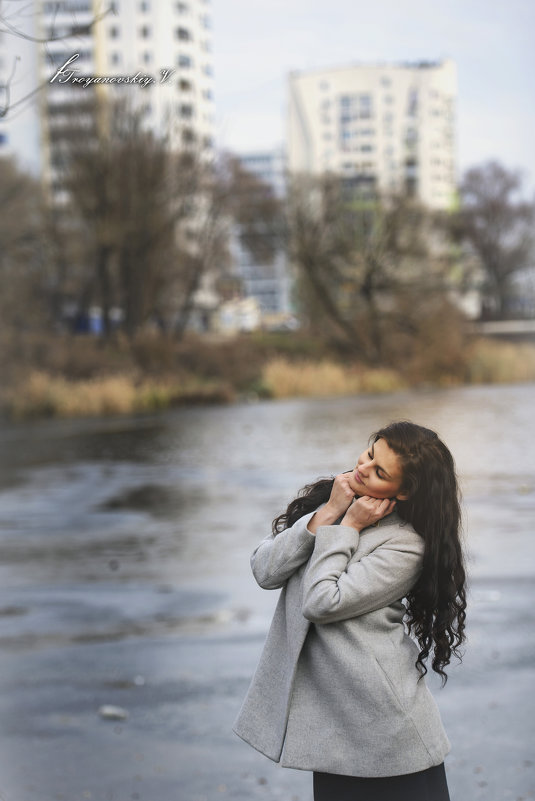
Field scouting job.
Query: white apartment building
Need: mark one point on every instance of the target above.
(388, 127)
(157, 54)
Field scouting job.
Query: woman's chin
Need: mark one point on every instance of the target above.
(362, 492)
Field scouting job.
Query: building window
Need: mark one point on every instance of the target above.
(412, 103)
(183, 34)
(345, 139)
(56, 31)
(365, 102)
(57, 59)
(411, 168)
(74, 7)
(115, 59)
(354, 107)
(185, 61)
(77, 30)
(144, 7)
(186, 111)
(205, 21)
(184, 86)
(147, 57)
(114, 32)
(182, 8)
(411, 137)
(207, 69)
(208, 94)
(188, 136)
(145, 32)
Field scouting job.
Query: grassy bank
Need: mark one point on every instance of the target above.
(284, 379)
(78, 378)
(43, 395)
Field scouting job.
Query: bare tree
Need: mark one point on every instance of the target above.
(22, 269)
(357, 256)
(497, 225)
(254, 207)
(150, 217)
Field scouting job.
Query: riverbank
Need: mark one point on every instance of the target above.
(82, 377)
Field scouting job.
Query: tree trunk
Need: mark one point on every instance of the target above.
(103, 272)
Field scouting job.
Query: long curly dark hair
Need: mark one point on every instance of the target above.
(436, 605)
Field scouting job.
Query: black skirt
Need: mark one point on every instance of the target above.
(426, 785)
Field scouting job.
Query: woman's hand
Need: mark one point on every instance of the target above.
(342, 494)
(341, 497)
(366, 511)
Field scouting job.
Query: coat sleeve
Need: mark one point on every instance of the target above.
(336, 588)
(278, 556)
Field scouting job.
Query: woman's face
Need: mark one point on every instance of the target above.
(378, 472)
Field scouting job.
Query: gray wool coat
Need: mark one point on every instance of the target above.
(336, 689)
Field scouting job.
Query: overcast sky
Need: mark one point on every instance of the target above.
(257, 42)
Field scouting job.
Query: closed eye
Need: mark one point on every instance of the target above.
(378, 470)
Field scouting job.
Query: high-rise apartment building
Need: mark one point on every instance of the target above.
(157, 54)
(387, 127)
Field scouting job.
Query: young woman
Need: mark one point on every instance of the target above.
(340, 686)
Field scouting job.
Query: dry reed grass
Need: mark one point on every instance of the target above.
(43, 395)
(492, 362)
(282, 379)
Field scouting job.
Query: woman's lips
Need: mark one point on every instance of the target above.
(357, 476)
